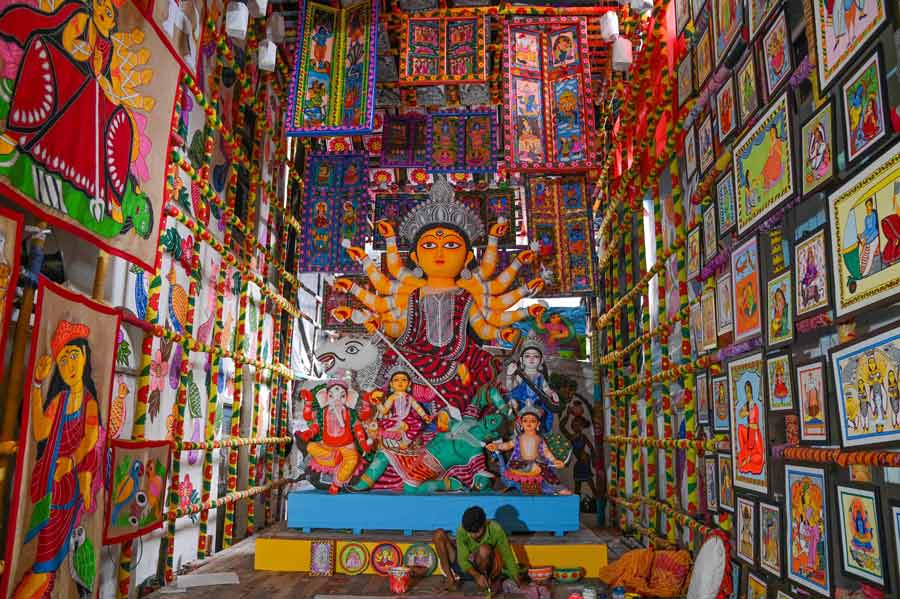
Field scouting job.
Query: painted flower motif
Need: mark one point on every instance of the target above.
(158, 370)
(418, 176)
(185, 490)
(374, 145)
(382, 178)
(187, 252)
(139, 167)
(460, 177)
(339, 144)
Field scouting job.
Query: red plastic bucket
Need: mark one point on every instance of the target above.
(399, 579)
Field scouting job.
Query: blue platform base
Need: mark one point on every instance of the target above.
(307, 510)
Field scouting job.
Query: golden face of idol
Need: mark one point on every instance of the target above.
(441, 253)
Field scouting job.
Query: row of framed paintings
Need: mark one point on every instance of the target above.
(840, 33)
(860, 248)
(765, 158)
(793, 537)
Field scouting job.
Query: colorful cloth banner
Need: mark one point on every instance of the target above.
(335, 207)
(109, 187)
(549, 118)
(333, 88)
(559, 220)
(405, 141)
(462, 142)
(57, 520)
(443, 50)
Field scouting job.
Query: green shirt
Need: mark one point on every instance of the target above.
(495, 537)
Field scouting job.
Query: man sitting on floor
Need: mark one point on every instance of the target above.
(481, 551)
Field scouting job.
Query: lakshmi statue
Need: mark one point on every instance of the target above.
(430, 312)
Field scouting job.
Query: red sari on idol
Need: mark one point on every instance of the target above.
(58, 504)
(58, 112)
(437, 341)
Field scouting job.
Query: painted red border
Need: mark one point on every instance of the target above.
(72, 296)
(36, 208)
(129, 444)
(444, 78)
(6, 312)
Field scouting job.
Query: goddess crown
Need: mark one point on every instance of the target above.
(442, 209)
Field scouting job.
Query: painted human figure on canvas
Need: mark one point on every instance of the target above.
(807, 538)
(748, 418)
(79, 44)
(70, 461)
(864, 109)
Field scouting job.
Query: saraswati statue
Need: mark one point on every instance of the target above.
(429, 312)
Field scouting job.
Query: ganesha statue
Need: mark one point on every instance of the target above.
(335, 432)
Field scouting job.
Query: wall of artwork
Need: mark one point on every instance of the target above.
(765, 366)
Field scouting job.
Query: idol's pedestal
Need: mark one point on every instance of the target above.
(544, 530)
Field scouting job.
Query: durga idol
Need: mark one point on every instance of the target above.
(434, 312)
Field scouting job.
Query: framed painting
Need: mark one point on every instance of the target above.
(693, 253)
(747, 90)
(779, 311)
(812, 395)
(724, 315)
(749, 447)
(322, 557)
(756, 587)
(840, 33)
(712, 491)
(673, 295)
(811, 274)
(763, 166)
(727, 18)
(704, 56)
(696, 327)
(462, 142)
(393, 207)
(745, 531)
(60, 512)
(735, 580)
(807, 538)
(708, 315)
(701, 385)
(332, 90)
(726, 110)
(757, 13)
(861, 534)
(770, 538)
(492, 205)
(690, 152)
(353, 558)
(710, 236)
(705, 144)
(745, 293)
(865, 373)
(685, 79)
(443, 49)
(725, 202)
(865, 257)
(719, 392)
(776, 54)
(895, 526)
(547, 84)
(137, 502)
(863, 104)
(726, 480)
(780, 382)
(817, 143)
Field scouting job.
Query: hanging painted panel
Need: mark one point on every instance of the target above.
(109, 187)
(332, 299)
(333, 87)
(492, 205)
(728, 18)
(462, 142)
(748, 423)
(136, 502)
(335, 208)
(59, 514)
(393, 207)
(549, 123)
(559, 221)
(443, 49)
(404, 141)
